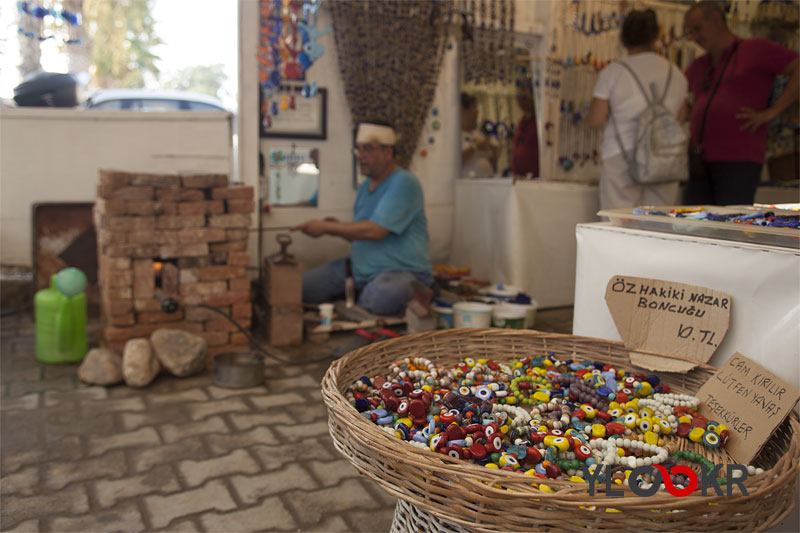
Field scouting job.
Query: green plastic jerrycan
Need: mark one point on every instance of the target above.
(61, 318)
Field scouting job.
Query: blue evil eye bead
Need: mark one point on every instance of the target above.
(484, 393)
(711, 439)
(435, 111)
(463, 390)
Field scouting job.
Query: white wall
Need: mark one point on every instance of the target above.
(436, 172)
(53, 155)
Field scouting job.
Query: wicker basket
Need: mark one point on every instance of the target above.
(484, 499)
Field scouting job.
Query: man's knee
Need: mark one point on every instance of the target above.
(386, 295)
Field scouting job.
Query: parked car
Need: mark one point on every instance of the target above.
(152, 100)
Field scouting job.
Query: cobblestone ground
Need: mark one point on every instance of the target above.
(181, 454)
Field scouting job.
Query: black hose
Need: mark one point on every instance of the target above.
(260, 348)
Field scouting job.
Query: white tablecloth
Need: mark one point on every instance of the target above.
(522, 234)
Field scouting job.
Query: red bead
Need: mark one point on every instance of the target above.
(532, 456)
(683, 429)
(583, 452)
(417, 409)
(477, 450)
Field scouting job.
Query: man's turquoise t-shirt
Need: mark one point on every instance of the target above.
(398, 205)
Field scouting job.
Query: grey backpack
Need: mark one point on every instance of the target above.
(660, 152)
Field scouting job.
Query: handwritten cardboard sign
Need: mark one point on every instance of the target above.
(748, 399)
(668, 319)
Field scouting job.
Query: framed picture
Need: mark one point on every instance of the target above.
(288, 114)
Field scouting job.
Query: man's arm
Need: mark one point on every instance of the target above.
(754, 118)
(363, 230)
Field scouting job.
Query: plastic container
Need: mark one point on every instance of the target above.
(472, 315)
(326, 314)
(529, 309)
(444, 317)
(729, 231)
(509, 317)
(501, 292)
(60, 325)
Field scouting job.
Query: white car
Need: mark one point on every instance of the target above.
(151, 100)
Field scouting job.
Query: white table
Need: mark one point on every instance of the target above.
(522, 234)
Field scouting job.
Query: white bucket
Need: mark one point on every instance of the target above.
(472, 315)
(508, 316)
(530, 311)
(444, 316)
(501, 292)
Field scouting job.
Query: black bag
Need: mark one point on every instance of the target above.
(697, 167)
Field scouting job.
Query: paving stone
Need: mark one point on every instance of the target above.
(173, 433)
(19, 388)
(22, 430)
(182, 526)
(113, 406)
(59, 475)
(56, 398)
(280, 386)
(22, 374)
(131, 421)
(332, 524)
(67, 422)
(14, 461)
(221, 393)
(227, 442)
(249, 421)
(160, 480)
(300, 431)
(57, 371)
(141, 437)
(126, 518)
(273, 457)
(276, 400)
(15, 509)
(197, 472)
(292, 477)
(374, 520)
(269, 515)
(24, 402)
(308, 412)
(191, 395)
(199, 411)
(22, 482)
(144, 460)
(332, 472)
(311, 506)
(164, 509)
(29, 526)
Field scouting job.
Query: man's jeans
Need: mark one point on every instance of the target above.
(385, 294)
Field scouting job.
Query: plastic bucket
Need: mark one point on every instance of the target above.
(502, 292)
(444, 317)
(472, 315)
(510, 317)
(530, 311)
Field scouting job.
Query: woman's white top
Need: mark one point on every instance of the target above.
(625, 99)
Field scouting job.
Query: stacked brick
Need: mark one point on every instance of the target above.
(182, 237)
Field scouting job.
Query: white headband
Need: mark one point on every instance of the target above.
(376, 133)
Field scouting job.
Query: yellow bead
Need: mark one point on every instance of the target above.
(483, 361)
(530, 472)
(547, 362)
(577, 479)
(562, 443)
(470, 362)
(427, 388)
(630, 420)
(407, 421)
(615, 412)
(650, 437)
(504, 429)
(541, 396)
(613, 405)
(589, 410)
(620, 452)
(548, 440)
(511, 400)
(545, 488)
(598, 430)
(686, 419)
(646, 389)
(543, 429)
(492, 465)
(719, 428)
(646, 411)
(696, 435)
(645, 423)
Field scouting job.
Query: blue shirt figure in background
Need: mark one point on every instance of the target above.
(390, 250)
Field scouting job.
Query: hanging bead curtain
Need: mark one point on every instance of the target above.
(390, 54)
(487, 37)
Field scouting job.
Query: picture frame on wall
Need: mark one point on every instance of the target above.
(287, 114)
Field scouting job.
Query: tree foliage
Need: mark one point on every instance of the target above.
(206, 79)
(122, 34)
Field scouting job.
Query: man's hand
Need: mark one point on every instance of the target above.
(753, 119)
(312, 228)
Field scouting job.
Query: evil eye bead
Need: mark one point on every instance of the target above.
(666, 429)
(696, 434)
(490, 429)
(629, 421)
(645, 424)
(711, 439)
(402, 408)
(484, 393)
(508, 460)
(615, 413)
(589, 410)
(463, 390)
(470, 362)
(562, 443)
(646, 411)
(583, 452)
(455, 452)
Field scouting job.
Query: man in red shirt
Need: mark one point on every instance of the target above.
(734, 140)
(526, 138)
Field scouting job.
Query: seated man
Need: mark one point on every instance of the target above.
(389, 233)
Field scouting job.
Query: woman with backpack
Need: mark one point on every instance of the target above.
(640, 101)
